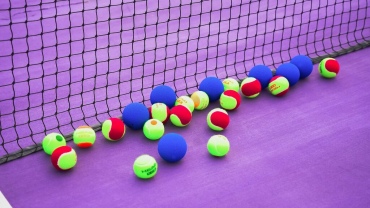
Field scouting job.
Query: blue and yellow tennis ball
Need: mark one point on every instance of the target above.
(135, 115)
(163, 94)
(213, 87)
(52, 141)
(262, 73)
(153, 129)
(64, 158)
(329, 68)
(230, 84)
(290, 72)
(180, 116)
(278, 86)
(185, 101)
(230, 100)
(218, 145)
(159, 111)
(304, 64)
(84, 136)
(172, 147)
(218, 119)
(250, 87)
(113, 129)
(200, 99)
(145, 167)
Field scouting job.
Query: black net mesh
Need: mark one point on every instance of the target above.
(67, 63)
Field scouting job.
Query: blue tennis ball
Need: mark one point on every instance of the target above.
(290, 72)
(213, 87)
(163, 94)
(135, 115)
(262, 73)
(172, 147)
(304, 64)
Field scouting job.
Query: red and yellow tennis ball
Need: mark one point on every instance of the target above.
(113, 129)
(200, 99)
(84, 136)
(278, 86)
(159, 111)
(153, 129)
(180, 116)
(218, 119)
(230, 84)
(185, 101)
(230, 100)
(52, 141)
(64, 158)
(250, 87)
(329, 68)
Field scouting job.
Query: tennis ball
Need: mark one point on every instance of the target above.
(153, 129)
(329, 68)
(172, 147)
(262, 73)
(304, 64)
(64, 158)
(185, 101)
(218, 119)
(231, 84)
(290, 72)
(213, 87)
(113, 129)
(159, 111)
(250, 87)
(52, 141)
(145, 167)
(230, 100)
(84, 136)
(279, 86)
(180, 116)
(200, 99)
(163, 94)
(218, 145)
(135, 115)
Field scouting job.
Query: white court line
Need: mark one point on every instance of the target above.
(3, 202)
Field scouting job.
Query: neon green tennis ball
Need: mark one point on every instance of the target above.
(218, 145)
(231, 84)
(153, 129)
(329, 68)
(185, 101)
(84, 136)
(53, 141)
(201, 100)
(145, 167)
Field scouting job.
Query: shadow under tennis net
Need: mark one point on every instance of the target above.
(68, 63)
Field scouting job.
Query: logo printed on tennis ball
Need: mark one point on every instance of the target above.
(84, 136)
(64, 158)
(250, 87)
(218, 145)
(231, 84)
(160, 111)
(180, 116)
(230, 100)
(185, 101)
(113, 129)
(52, 141)
(145, 167)
(329, 68)
(218, 119)
(278, 86)
(200, 99)
(153, 129)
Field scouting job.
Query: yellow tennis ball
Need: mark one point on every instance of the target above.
(145, 166)
(84, 136)
(153, 129)
(201, 100)
(218, 145)
(53, 141)
(231, 84)
(185, 101)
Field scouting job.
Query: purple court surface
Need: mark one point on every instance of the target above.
(310, 148)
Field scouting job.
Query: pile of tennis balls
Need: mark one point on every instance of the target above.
(167, 107)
